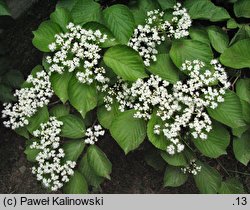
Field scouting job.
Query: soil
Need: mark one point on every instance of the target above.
(130, 174)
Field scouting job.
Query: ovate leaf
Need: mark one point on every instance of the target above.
(73, 149)
(242, 8)
(62, 17)
(229, 112)
(208, 180)
(76, 185)
(60, 84)
(219, 38)
(90, 175)
(106, 117)
(123, 123)
(183, 50)
(45, 35)
(125, 62)
(31, 153)
(82, 96)
(159, 141)
(199, 34)
(216, 143)
(241, 147)
(238, 55)
(167, 4)
(73, 127)
(120, 21)
(205, 9)
(165, 68)
(174, 177)
(59, 110)
(231, 186)
(4, 10)
(85, 11)
(177, 159)
(99, 162)
(41, 116)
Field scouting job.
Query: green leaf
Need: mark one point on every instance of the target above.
(178, 159)
(208, 180)
(183, 50)
(199, 34)
(219, 38)
(31, 153)
(45, 35)
(229, 112)
(174, 177)
(140, 8)
(120, 21)
(89, 173)
(243, 89)
(73, 127)
(241, 148)
(67, 4)
(4, 10)
(123, 123)
(242, 33)
(238, 55)
(59, 110)
(6, 93)
(125, 62)
(167, 4)
(73, 149)
(23, 132)
(240, 130)
(85, 11)
(165, 68)
(62, 17)
(153, 159)
(232, 24)
(13, 78)
(99, 162)
(41, 116)
(106, 117)
(81, 96)
(231, 186)
(60, 83)
(205, 9)
(159, 141)
(216, 143)
(242, 8)
(111, 41)
(76, 185)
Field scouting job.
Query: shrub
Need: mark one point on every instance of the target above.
(149, 71)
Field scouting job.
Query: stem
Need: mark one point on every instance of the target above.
(223, 167)
(238, 172)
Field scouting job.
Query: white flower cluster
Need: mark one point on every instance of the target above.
(179, 106)
(78, 50)
(50, 170)
(29, 99)
(93, 133)
(146, 38)
(180, 23)
(193, 168)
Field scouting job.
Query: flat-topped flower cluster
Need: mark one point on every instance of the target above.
(147, 37)
(78, 50)
(51, 170)
(179, 106)
(29, 100)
